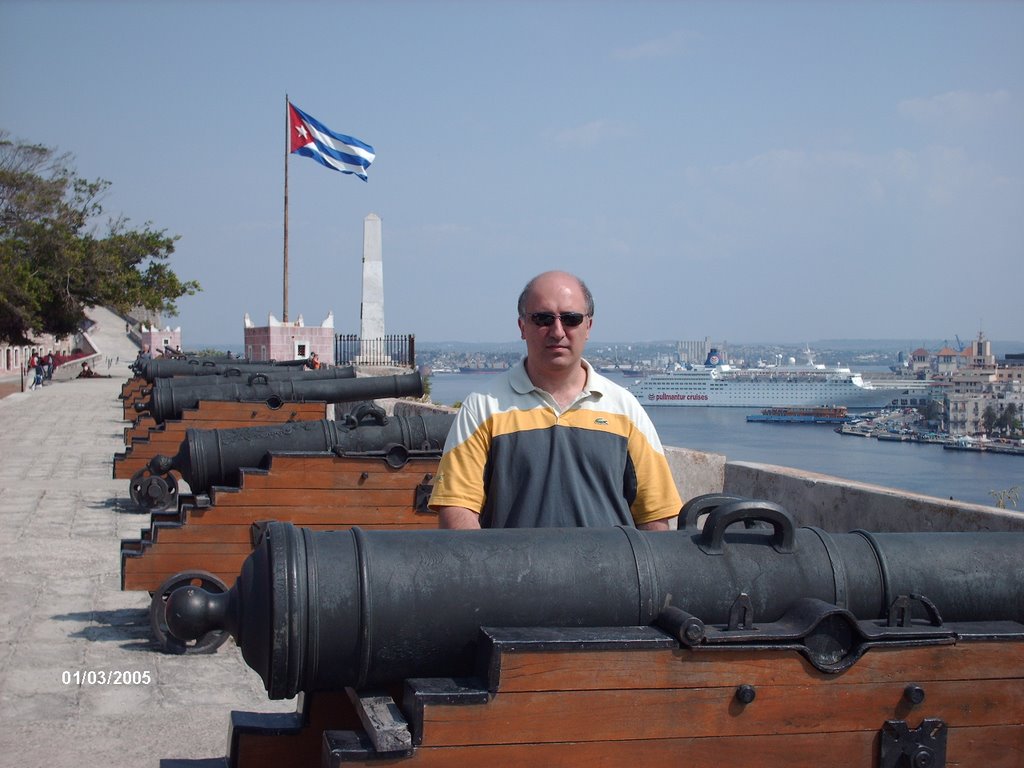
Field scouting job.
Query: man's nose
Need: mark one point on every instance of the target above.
(556, 329)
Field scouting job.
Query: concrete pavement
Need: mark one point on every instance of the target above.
(64, 622)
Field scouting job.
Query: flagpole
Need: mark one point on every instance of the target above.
(287, 144)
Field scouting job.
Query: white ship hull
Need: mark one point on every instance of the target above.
(705, 387)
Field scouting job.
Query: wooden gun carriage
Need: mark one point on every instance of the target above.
(620, 697)
(146, 439)
(879, 677)
(206, 538)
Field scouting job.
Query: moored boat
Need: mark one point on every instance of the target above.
(834, 414)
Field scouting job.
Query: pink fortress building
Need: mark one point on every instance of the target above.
(160, 341)
(289, 340)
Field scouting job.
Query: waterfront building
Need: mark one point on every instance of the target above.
(696, 352)
(920, 361)
(979, 385)
(947, 361)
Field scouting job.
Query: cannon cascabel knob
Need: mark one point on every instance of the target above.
(191, 612)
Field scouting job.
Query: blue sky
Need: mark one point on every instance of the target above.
(769, 171)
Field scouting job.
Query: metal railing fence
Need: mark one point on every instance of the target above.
(397, 350)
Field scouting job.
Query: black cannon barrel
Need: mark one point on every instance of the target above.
(161, 368)
(323, 610)
(245, 376)
(166, 404)
(211, 457)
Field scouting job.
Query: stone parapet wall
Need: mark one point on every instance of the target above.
(696, 472)
(832, 503)
(839, 505)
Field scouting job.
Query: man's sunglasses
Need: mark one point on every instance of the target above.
(547, 319)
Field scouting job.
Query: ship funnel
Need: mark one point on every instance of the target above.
(712, 359)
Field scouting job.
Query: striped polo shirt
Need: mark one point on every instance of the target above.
(520, 461)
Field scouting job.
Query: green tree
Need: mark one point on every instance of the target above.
(932, 410)
(989, 418)
(1007, 420)
(53, 264)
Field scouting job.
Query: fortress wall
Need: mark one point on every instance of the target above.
(833, 503)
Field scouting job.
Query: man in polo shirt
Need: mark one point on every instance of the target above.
(553, 443)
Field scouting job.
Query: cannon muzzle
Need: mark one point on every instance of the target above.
(325, 610)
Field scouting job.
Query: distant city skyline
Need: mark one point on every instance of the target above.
(819, 347)
(741, 170)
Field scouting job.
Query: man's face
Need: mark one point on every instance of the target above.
(557, 347)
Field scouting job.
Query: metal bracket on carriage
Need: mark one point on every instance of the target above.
(925, 745)
(423, 491)
(395, 455)
(829, 637)
(257, 529)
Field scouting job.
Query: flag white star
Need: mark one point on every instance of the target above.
(302, 131)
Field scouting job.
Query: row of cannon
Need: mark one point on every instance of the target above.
(344, 610)
(212, 459)
(213, 456)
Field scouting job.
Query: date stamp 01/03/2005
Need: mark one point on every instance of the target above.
(81, 677)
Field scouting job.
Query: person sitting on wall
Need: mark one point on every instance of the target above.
(313, 362)
(88, 373)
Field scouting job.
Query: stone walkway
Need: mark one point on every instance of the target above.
(64, 622)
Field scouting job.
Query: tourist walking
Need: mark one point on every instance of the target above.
(40, 371)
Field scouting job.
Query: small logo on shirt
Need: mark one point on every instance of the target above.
(601, 421)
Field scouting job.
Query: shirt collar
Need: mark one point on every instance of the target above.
(520, 379)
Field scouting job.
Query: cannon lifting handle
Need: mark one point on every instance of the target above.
(699, 506)
(721, 517)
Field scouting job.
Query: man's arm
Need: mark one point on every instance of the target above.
(655, 525)
(458, 518)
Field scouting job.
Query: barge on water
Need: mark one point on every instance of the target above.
(834, 414)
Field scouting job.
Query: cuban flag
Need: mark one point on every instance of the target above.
(307, 136)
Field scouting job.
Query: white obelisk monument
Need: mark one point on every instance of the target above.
(371, 312)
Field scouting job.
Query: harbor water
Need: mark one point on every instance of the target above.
(916, 467)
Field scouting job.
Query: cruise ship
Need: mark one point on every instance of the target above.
(717, 384)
